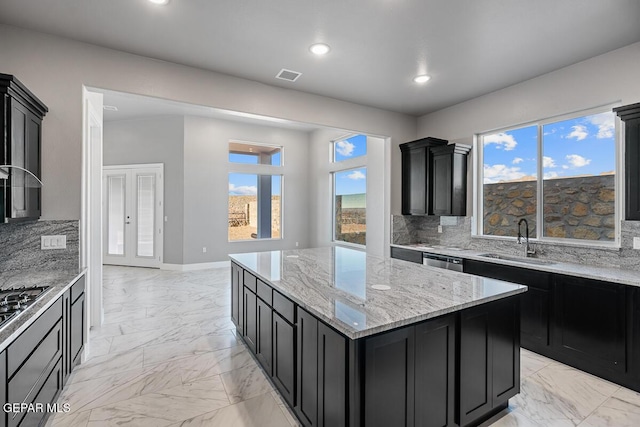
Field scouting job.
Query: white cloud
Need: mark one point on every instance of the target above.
(497, 173)
(579, 132)
(356, 175)
(577, 160)
(502, 140)
(243, 190)
(549, 175)
(548, 162)
(345, 148)
(605, 123)
(517, 160)
(565, 167)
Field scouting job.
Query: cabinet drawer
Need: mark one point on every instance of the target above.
(406, 254)
(250, 281)
(265, 292)
(47, 395)
(29, 377)
(20, 349)
(284, 306)
(77, 289)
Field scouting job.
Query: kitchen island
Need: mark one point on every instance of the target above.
(351, 339)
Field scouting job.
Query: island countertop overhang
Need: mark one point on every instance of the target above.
(360, 294)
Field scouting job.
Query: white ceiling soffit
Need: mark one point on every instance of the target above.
(468, 47)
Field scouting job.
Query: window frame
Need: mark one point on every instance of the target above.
(477, 228)
(257, 170)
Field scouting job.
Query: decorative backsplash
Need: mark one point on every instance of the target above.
(456, 232)
(20, 246)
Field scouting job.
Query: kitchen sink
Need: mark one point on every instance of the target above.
(518, 259)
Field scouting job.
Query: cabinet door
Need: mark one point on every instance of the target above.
(284, 357)
(3, 388)
(632, 173)
(250, 319)
(414, 181)
(435, 372)
(264, 345)
(66, 336)
(389, 379)
(590, 323)
(307, 401)
(505, 350)
(77, 330)
(236, 297)
(332, 378)
(406, 254)
(442, 182)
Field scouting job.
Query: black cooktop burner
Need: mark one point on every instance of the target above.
(13, 301)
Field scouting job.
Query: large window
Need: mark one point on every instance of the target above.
(255, 199)
(558, 174)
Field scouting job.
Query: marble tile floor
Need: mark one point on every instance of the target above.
(167, 355)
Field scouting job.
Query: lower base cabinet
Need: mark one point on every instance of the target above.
(284, 354)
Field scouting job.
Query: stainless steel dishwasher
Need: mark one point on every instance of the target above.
(442, 261)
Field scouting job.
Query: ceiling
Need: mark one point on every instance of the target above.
(469, 48)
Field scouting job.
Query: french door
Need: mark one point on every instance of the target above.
(132, 217)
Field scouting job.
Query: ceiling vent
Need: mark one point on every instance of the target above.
(288, 75)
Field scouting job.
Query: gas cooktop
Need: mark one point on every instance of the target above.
(14, 301)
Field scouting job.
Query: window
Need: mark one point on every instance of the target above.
(255, 199)
(558, 174)
(350, 205)
(349, 148)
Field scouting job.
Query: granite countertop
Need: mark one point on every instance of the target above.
(360, 294)
(607, 274)
(58, 280)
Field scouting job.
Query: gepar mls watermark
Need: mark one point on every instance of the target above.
(36, 407)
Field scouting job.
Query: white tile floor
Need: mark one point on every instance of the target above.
(167, 355)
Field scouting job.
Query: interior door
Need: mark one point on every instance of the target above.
(133, 215)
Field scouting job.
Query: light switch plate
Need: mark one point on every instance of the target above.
(53, 242)
(636, 243)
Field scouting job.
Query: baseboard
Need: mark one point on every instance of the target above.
(197, 266)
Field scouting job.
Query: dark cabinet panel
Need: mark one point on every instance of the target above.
(78, 333)
(332, 378)
(435, 372)
(284, 357)
(389, 379)
(3, 388)
(630, 114)
(505, 346)
(236, 297)
(307, 401)
(449, 180)
(406, 254)
(264, 345)
(590, 323)
(66, 336)
(47, 395)
(250, 319)
(416, 159)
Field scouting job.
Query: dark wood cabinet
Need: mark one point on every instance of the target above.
(489, 358)
(21, 115)
(3, 387)
(416, 180)
(630, 114)
(590, 330)
(406, 254)
(264, 345)
(449, 180)
(236, 296)
(250, 319)
(78, 332)
(534, 304)
(284, 357)
(307, 368)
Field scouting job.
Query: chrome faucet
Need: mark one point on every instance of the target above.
(528, 249)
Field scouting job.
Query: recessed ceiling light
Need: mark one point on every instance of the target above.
(319, 48)
(422, 79)
(160, 2)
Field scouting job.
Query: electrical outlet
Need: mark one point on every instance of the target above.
(53, 242)
(439, 229)
(636, 243)
(296, 244)
(204, 249)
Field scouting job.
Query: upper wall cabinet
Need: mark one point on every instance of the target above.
(21, 115)
(416, 180)
(630, 114)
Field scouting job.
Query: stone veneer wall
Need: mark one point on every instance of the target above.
(456, 232)
(576, 208)
(20, 246)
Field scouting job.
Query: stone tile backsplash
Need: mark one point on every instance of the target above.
(20, 246)
(456, 232)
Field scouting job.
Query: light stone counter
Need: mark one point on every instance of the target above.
(58, 280)
(613, 275)
(338, 285)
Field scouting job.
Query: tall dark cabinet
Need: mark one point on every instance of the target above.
(630, 114)
(21, 114)
(416, 183)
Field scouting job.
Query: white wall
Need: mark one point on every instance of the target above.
(154, 140)
(206, 189)
(56, 68)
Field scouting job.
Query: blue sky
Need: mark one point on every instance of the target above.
(351, 147)
(244, 184)
(580, 146)
(353, 181)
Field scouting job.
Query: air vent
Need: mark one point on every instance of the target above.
(288, 75)
(109, 108)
